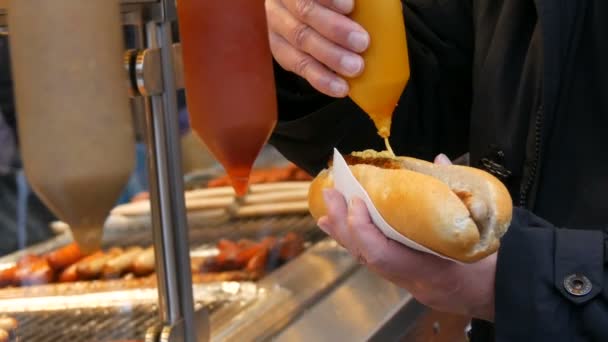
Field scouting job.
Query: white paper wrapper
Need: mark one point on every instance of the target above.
(346, 183)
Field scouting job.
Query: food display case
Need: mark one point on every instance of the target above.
(188, 260)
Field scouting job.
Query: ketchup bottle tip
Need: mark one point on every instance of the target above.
(240, 185)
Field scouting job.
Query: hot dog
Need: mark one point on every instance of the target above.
(291, 245)
(120, 264)
(144, 262)
(457, 211)
(8, 277)
(257, 262)
(71, 274)
(64, 257)
(92, 267)
(33, 270)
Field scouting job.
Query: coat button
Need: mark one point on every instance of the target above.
(493, 162)
(577, 285)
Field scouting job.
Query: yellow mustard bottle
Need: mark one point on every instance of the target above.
(387, 70)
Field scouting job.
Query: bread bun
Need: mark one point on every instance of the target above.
(457, 211)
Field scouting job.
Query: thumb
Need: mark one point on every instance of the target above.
(442, 159)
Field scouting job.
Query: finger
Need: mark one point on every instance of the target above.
(367, 238)
(341, 6)
(358, 216)
(330, 24)
(307, 67)
(442, 159)
(384, 255)
(305, 38)
(358, 213)
(337, 214)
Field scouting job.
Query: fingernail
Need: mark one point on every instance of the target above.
(344, 6)
(338, 88)
(323, 224)
(358, 41)
(352, 65)
(442, 159)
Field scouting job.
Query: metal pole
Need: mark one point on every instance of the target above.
(167, 196)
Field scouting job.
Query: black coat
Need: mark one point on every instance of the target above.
(523, 86)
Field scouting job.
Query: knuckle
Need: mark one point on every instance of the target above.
(300, 34)
(304, 7)
(302, 65)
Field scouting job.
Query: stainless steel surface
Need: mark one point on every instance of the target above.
(323, 295)
(284, 294)
(169, 10)
(352, 312)
(401, 323)
(176, 333)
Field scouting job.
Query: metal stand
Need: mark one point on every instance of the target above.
(154, 74)
(167, 196)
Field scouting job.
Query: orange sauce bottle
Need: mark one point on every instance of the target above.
(230, 89)
(378, 89)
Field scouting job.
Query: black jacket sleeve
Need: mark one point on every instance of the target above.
(433, 113)
(549, 283)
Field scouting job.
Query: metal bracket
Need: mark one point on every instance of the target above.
(148, 74)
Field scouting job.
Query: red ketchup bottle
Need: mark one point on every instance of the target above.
(229, 79)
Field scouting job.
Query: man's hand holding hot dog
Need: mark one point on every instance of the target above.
(466, 289)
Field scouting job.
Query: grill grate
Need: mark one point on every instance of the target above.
(130, 322)
(90, 325)
(243, 228)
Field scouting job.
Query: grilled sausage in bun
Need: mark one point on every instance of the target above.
(457, 211)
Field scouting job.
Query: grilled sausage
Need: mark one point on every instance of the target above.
(33, 270)
(120, 264)
(64, 257)
(91, 269)
(144, 262)
(292, 245)
(8, 277)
